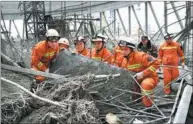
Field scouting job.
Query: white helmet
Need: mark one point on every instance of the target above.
(100, 37)
(97, 39)
(79, 38)
(63, 41)
(126, 41)
(51, 33)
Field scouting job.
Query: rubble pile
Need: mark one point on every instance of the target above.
(86, 95)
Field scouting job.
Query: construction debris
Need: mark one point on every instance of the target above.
(90, 91)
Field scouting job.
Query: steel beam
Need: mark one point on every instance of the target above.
(16, 29)
(50, 7)
(75, 22)
(108, 25)
(146, 18)
(79, 29)
(101, 20)
(122, 23)
(165, 16)
(183, 107)
(114, 27)
(34, 13)
(9, 29)
(155, 17)
(137, 18)
(72, 7)
(177, 15)
(129, 20)
(191, 32)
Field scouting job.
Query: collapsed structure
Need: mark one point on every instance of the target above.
(89, 91)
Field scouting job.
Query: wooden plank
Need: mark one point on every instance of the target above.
(30, 71)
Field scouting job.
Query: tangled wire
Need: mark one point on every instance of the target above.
(13, 110)
(80, 105)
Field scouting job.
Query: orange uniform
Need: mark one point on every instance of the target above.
(85, 52)
(103, 55)
(42, 55)
(117, 57)
(169, 54)
(142, 62)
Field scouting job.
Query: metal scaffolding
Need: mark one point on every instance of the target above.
(34, 19)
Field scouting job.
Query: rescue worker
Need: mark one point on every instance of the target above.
(100, 52)
(117, 56)
(145, 67)
(169, 54)
(80, 46)
(146, 46)
(63, 44)
(43, 53)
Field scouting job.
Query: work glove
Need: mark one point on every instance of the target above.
(113, 119)
(139, 75)
(183, 65)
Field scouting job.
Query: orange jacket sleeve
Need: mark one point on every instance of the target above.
(37, 54)
(108, 56)
(160, 53)
(151, 63)
(180, 53)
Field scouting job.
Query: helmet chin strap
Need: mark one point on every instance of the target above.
(127, 56)
(101, 47)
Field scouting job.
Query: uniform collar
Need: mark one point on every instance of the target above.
(130, 56)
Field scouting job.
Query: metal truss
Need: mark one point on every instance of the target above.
(34, 16)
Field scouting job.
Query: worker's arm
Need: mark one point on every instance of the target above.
(37, 54)
(180, 53)
(160, 54)
(151, 63)
(108, 56)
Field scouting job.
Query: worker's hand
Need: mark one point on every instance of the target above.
(113, 119)
(183, 65)
(139, 75)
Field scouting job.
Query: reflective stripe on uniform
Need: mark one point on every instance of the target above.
(183, 57)
(134, 66)
(97, 58)
(152, 68)
(159, 60)
(169, 47)
(147, 92)
(40, 64)
(167, 86)
(118, 50)
(49, 54)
